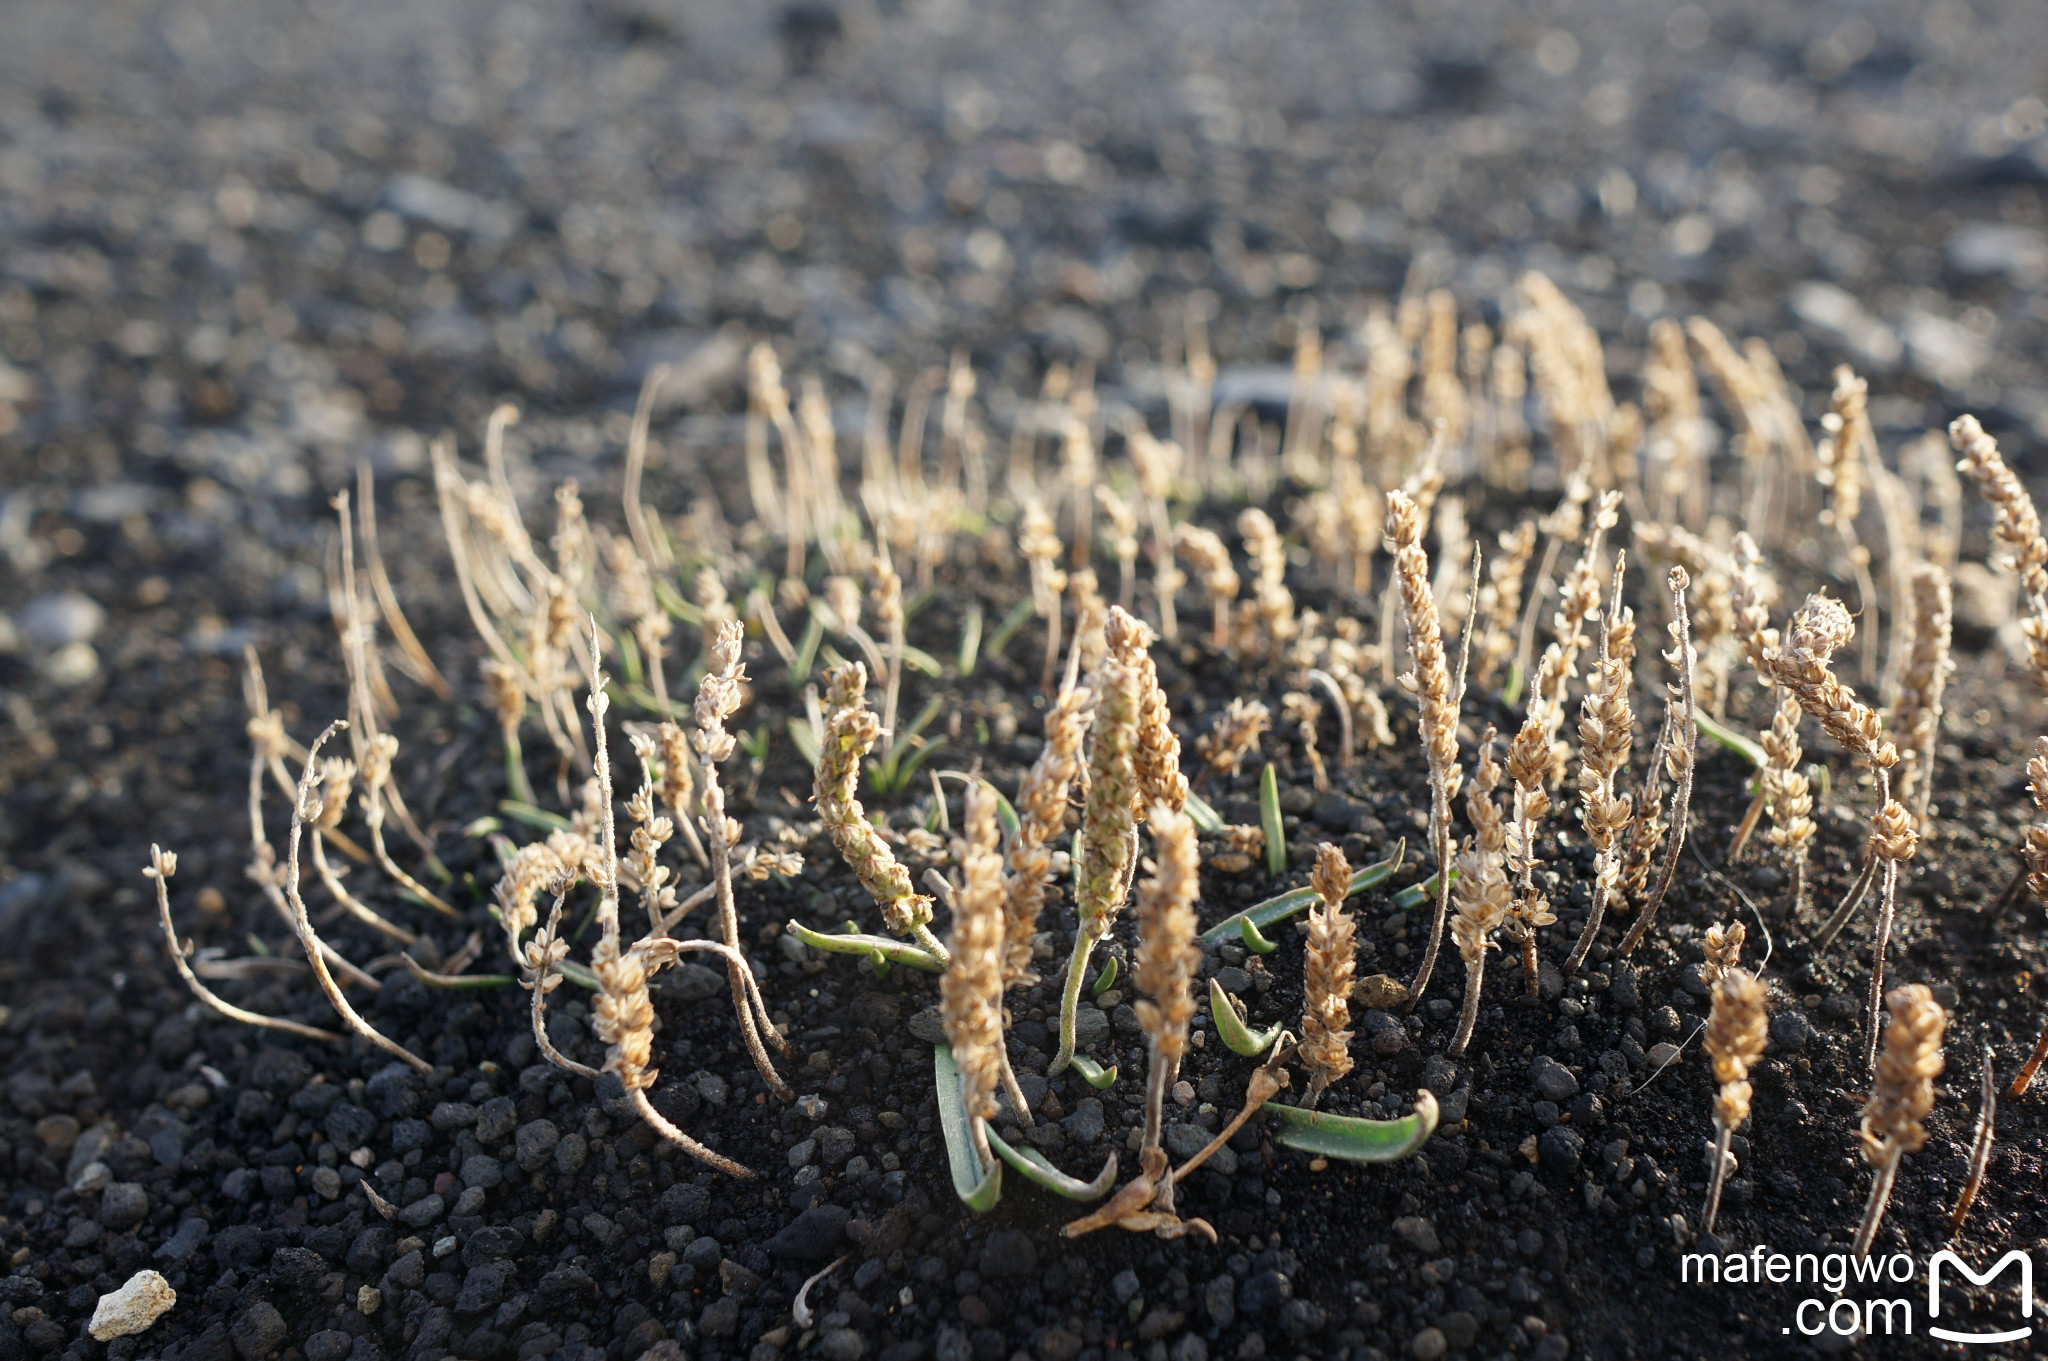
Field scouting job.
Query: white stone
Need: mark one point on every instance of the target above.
(130, 1310)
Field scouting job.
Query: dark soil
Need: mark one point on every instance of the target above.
(241, 248)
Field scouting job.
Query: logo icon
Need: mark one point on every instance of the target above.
(1934, 1266)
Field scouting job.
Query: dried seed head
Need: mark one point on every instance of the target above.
(1107, 826)
(1749, 596)
(971, 990)
(1482, 893)
(1847, 424)
(1331, 962)
(1723, 949)
(2015, 526)
(677, 785)
(1235, 735)
(851, 729)
(1801, 665)
(1167, 956)
(1894, 832)
(1041, 817)
(1735, 1041)
(1157, 759)
(1916, 713)
(2035, 846)
(1903, 1091)
(1430, 681)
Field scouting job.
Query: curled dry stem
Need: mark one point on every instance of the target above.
(162, 865)
(304, 808)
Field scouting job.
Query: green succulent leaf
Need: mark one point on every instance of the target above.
(1351, 1139)
(1094, 1074)
(1278, 909)
(1269, 821)
(1104, 979)
(1415, 895)
(978, 1190)
(1035, 1168)
(1205, 818)
(1747, 748)
(852, 942)
(1231, 1027)
(1253, 941)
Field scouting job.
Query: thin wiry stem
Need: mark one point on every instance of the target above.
(307, 936)
(1684, 749)
(1980, 1147)
(164, 864)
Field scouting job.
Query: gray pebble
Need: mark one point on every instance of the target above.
(802, 1151)
(928, 1025)
(1789, 1029)
(1418, 1233)
(123, 1205)
(1085, 1125)
(1552, 1080)
(496, 1119)
(835, 1144)
(535, 1143)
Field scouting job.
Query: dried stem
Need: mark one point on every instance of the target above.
(305, 808)
(1980, 1147)
(1682, 752)
(162, 865)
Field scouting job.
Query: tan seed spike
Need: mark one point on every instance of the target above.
(1901, 1095)
(850, 732)
(1331, 963)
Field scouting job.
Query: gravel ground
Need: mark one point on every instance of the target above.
(243, 246)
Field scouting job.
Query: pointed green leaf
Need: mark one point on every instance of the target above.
(1279, 908)
(460, 981)
(1104, 979)
(806, 740)
(917, 659)
(1094, 1074)
(970, 639)
(533, 817)
(1007, 630)
(1415, 895)
(1231, 1027)
(883, 947)
(978, 1190)
(1747, 748)
(1248, 931)
(1006, 813)
(579, 974)
(1035, 1168)
(1269, 822)
(1205, 818)
(806, 651)
(1352, 1139)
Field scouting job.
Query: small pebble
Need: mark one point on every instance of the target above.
(139, 1302)
(1429, 1344)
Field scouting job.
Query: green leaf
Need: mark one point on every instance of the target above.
(978, 1190)
(629, 659)
(463, 981)
(1747, 748)
(1006, 814)
(1512, 691)
(1035, 1168)
(806, 651)
(672, 601)
(1205, 818)
(917, 659)
(1269, 821)
(533, 817)
(483, 826)
(851, 942)
(1007, 630)
(1104, 979)
(1415, 895)
(1278, 909)
(970, 639)
(1231, 1028)
(1248, 931)
(924, 718)
(805, 739)
(1352, 1139)
(578, 974)
(1094, 1074)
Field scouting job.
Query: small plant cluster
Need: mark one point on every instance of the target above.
(834, 564)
